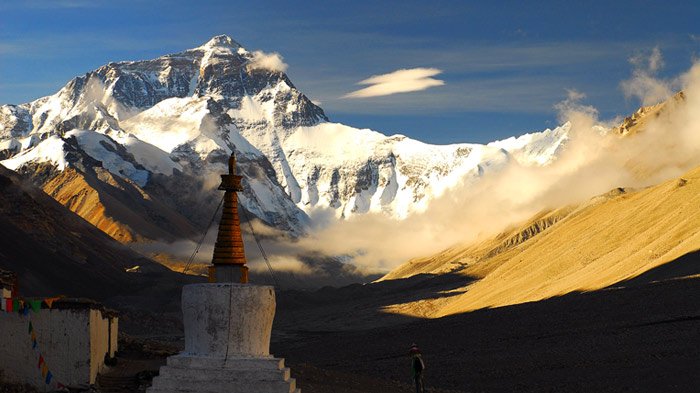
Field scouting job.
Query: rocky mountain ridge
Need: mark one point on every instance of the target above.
(164, 128)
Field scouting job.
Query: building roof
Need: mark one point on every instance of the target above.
(7, 279)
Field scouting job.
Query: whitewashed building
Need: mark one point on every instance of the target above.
(71, 341)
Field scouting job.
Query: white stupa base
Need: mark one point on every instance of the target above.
(227, 341)
(195, 374)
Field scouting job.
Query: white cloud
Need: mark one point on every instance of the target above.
(572, 107)
(400, 81)
(651, 63)
(269, 61)
(644, 85)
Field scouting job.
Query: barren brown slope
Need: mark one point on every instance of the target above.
(611, 239)
(459, 257)
(54, 251)
(116, 206)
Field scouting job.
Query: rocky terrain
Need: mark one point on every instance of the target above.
(635, 335)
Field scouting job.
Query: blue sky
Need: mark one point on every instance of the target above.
(504, 65)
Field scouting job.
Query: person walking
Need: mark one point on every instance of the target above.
(417, 366)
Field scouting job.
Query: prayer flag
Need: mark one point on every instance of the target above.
(33, 335)
(35, 305)
(49, 376)
(8, 305)
(49, 301)
(34, 344)
(44, 370)
(15, 305)
(31, 328)
(41, 361)
(60, 385)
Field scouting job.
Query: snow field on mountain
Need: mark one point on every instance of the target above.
(151, 157)
(185, 111)
(50, 150)
(103, 149)
(170, 123)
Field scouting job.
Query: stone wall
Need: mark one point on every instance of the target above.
(72, 341)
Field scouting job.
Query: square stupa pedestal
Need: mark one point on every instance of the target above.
(227, 343)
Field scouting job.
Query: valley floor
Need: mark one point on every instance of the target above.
(642, 335)
(641, 338)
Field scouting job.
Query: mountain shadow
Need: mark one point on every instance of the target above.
(684, 266)
(640, 334)
(641, 338)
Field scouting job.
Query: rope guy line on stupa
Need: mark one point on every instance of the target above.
(199, 244)
(252, 231)
(260, 247)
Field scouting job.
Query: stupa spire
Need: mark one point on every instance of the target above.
(229, 262)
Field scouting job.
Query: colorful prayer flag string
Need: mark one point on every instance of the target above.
(35, 305)
(49, 301)
(23, 307)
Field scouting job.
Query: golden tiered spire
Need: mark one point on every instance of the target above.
(229, 255)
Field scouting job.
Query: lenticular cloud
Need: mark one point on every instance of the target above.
(400, 81)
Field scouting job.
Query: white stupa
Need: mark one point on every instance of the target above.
(227, 322)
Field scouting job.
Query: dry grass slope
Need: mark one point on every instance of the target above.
(610, 239)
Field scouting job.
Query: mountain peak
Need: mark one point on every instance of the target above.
(221, 41)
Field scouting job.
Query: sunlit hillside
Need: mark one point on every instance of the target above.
(608, 239)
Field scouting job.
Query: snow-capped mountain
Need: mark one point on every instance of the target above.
(160, 131)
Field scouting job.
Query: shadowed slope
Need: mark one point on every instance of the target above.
(642, 338)
(54, 251)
